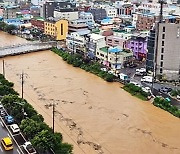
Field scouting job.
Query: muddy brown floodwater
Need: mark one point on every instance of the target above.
(95, 116)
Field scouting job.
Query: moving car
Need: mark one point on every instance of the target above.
(15, 128)
(9, 119)
(29, 148)
(7, 143)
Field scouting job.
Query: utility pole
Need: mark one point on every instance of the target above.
(3, 68)
(53, 115)
(22, 84)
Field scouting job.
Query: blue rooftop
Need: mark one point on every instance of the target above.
(115, 50)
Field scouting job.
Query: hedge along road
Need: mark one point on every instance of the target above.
(93, 115)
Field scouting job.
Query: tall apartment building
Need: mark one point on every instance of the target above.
(168, 53)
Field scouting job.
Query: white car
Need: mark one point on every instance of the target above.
(1, 107)
(178, 97)
(147, 79)
(136, 84)
(29, 148)
(15, 128)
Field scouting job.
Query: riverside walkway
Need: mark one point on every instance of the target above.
(26, 48)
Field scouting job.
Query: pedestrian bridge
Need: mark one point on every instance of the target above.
(26, 48)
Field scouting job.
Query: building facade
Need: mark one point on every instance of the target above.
(113, 57)
(50, 6)
(77, 25)
(115, 41)
(58, 29)
(168, 53)
(138, 44)
(98, 13)
(68, 14)
(111, 11)
(9, 12)
(38, 23)
(76, 41)
(87, 16)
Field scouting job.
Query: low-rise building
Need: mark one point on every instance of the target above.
(9, 12)
(87, 16)
(77, 25)
(38, 22)
(58, 29)
(113, 57)
(98, 14)
(115, 41)
(76, 41)
(111, 11)
(35, 11)
(95, 42)
(66, 13)
(138, 44)
(50, 6)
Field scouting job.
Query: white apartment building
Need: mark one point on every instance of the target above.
(86, 16)
(76, 41)
(168, 53)
(113, 57)
(111, 11)
(69, 15)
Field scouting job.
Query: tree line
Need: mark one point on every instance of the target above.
(32, 124)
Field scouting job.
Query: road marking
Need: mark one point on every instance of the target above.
(18, 151)
(1, 149)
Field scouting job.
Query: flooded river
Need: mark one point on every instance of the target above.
(95, 116)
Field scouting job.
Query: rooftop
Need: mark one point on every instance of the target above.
(96, 36)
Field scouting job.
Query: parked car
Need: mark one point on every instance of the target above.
(168, 99)
(165, 89)
(29, 148)
(147, 79)
(3, 113)
(1, 106)
(136, 84)
(178, 97)
(146, 89)
(104, 69)
(15, 128)
(9, 119)
(133, 65)
(7, 143)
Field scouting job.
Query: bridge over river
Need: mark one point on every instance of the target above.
(26, 48)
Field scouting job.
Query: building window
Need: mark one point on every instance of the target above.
(162, 43)
(164, 29)
(161, 57)
(161, 64)
(161, 70)
(162, 50)
(61, 29)
(163, 36)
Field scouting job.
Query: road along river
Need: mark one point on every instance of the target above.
(93, 115)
